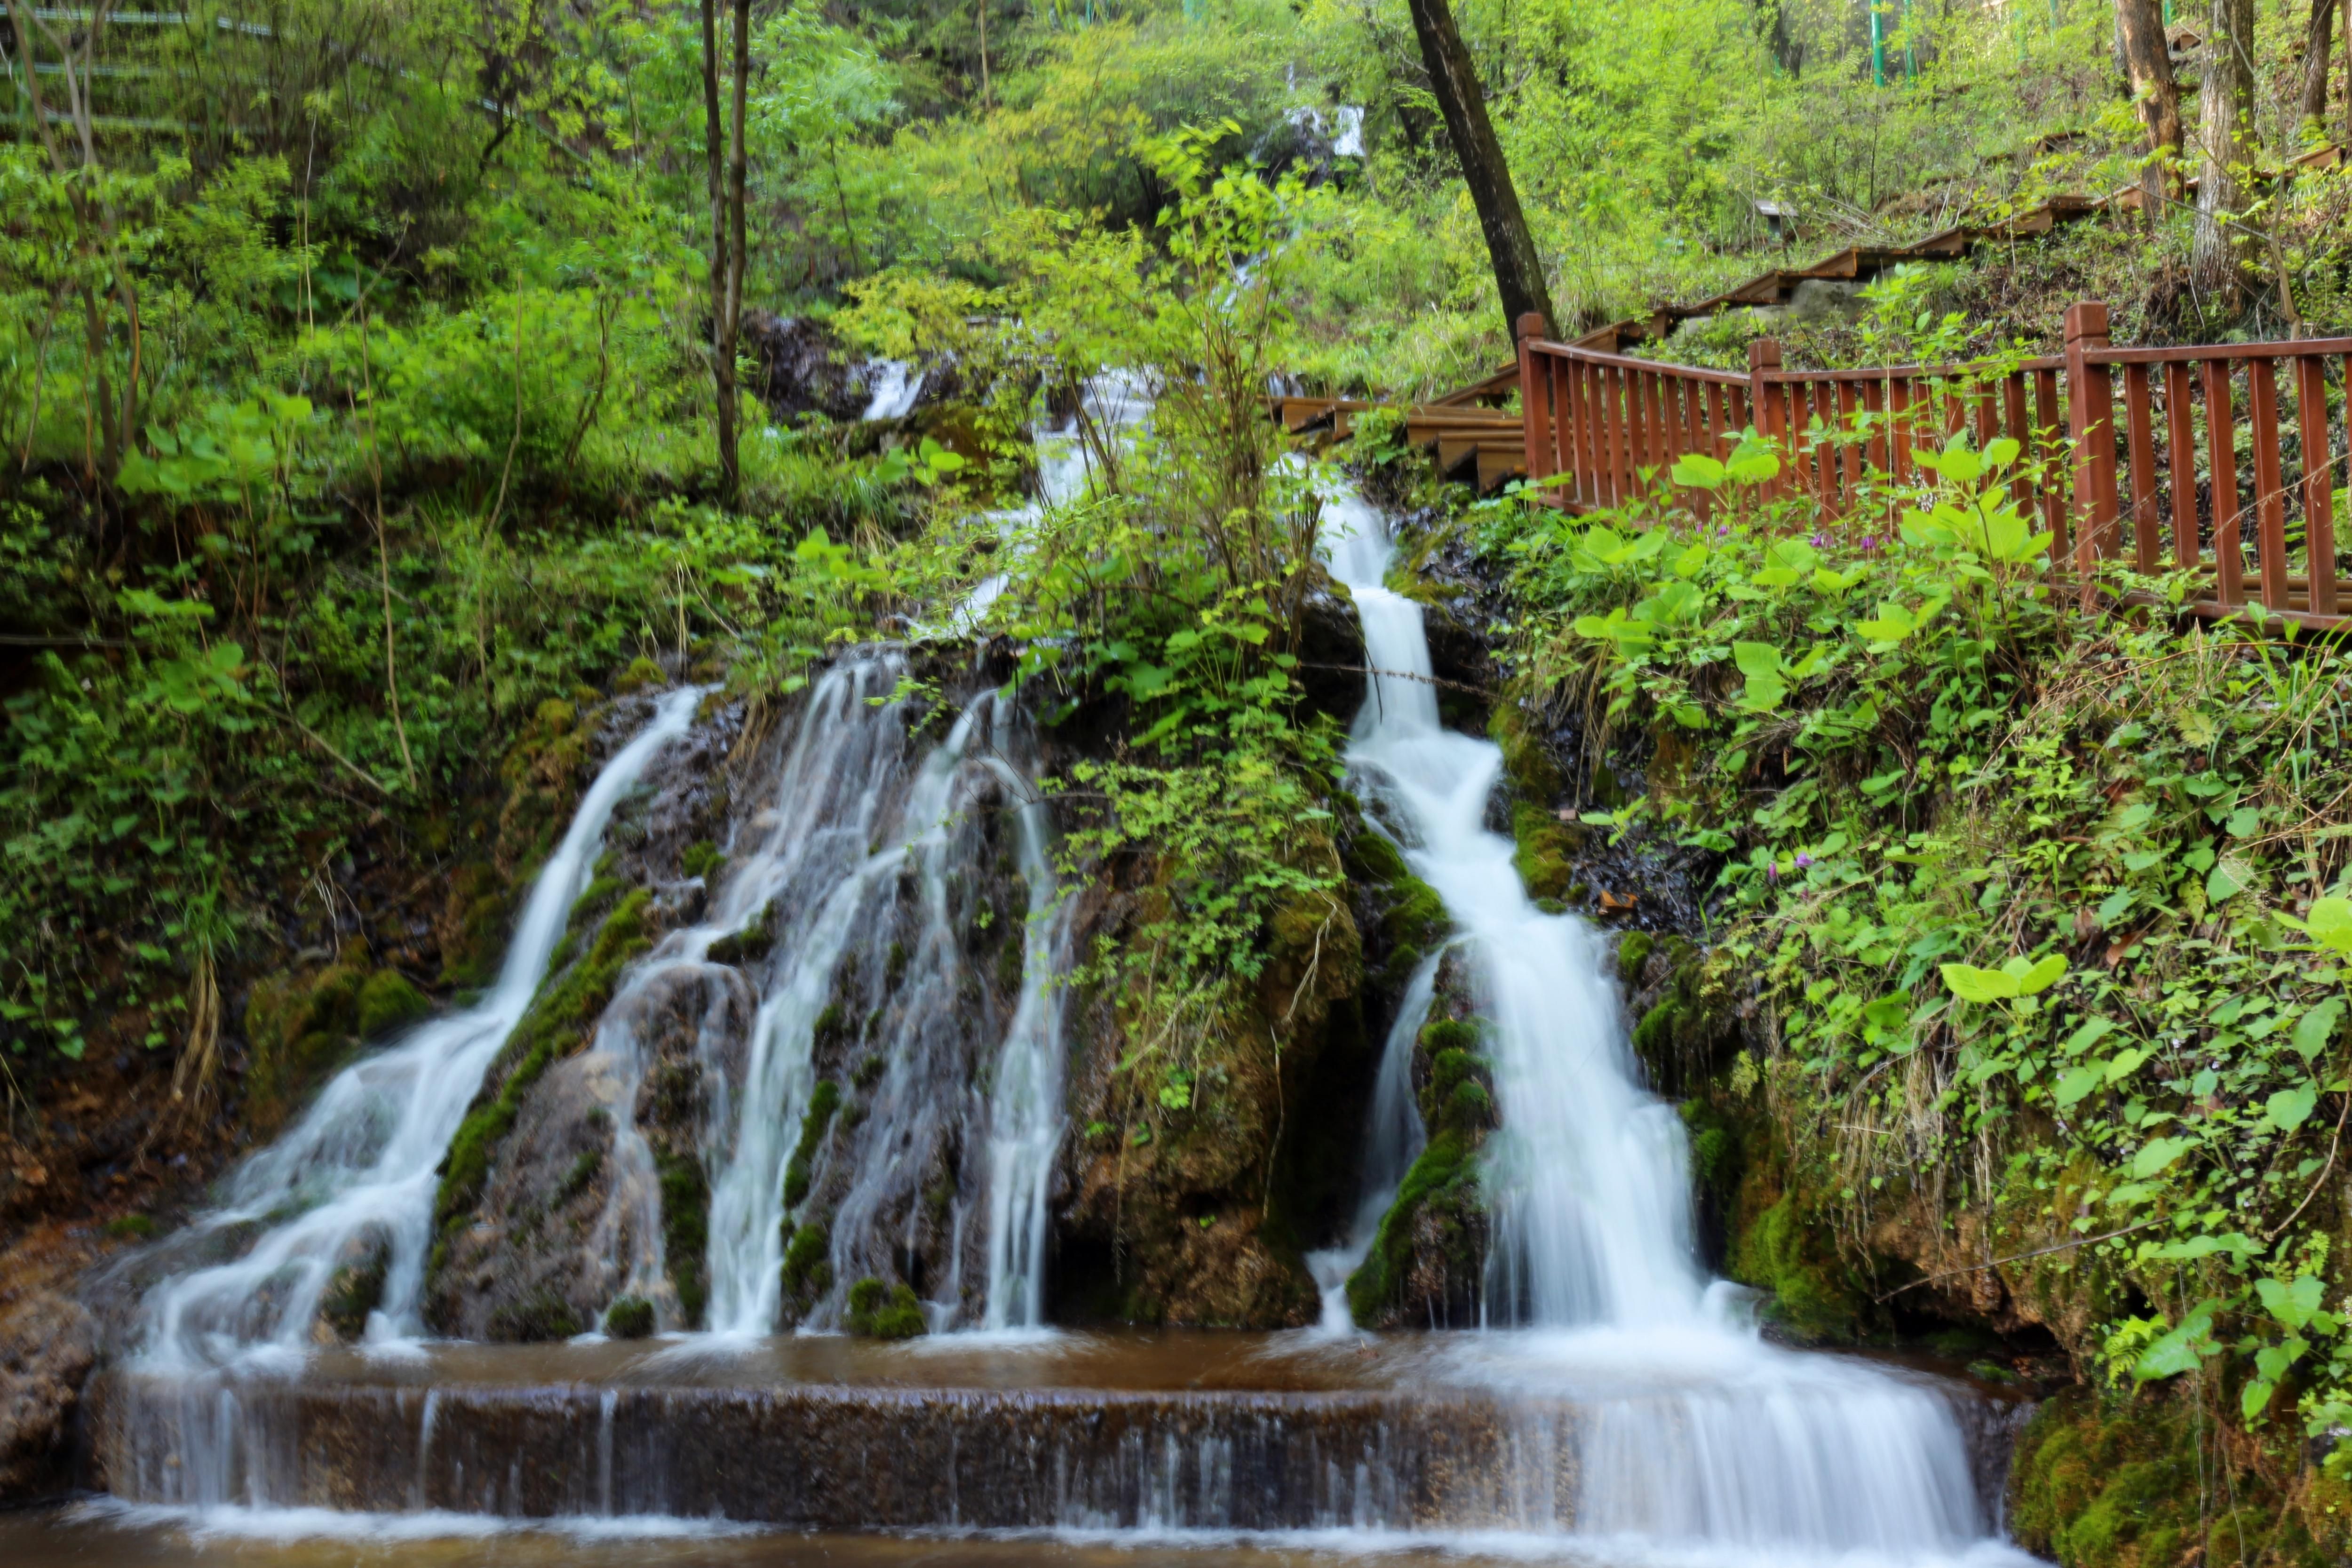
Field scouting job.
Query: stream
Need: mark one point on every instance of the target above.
(1618, 1406)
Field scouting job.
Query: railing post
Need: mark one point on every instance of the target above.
(1764, 406)
(2090, 420)
(1534, 402)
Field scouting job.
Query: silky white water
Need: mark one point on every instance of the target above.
(1699, 1432)
(1394, 1138)
(893, 387)
(359, 1169)
(862, 866)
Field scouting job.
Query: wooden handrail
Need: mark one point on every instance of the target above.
(2115, 435)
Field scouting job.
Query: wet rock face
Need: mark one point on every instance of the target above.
(802, 370)
(555, 1222)
(49, 1342)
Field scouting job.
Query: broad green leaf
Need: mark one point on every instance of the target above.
(2001, 452)
(1970, 984)
(2034, 978)
(1698, 471)
(2226, 881)
(2179, 1351)
(2330, 923)
(2316, 1027)
(1756, 658)
(2291, 1304)
(2158, 1155)
(2125, 1063)
(2291, 1107)
(2077, 1085)
(2255, 1397)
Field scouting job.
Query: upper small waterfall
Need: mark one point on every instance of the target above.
(360, 1166)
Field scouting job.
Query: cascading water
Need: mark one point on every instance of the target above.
(1394, 1138)
(863, 882)
(357, 1172)
(1697, 1432)
(893, 387)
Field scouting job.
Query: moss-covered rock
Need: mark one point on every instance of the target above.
(881, 1311)
(300, 1025)
(1427, 1262)
(686, 1231)
(1811, 1294)
(629, 1318)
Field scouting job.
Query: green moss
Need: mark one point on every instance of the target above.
(474, 929)
(629, 1318)
(750, 943)
(537, 1319)
(1812, 1295)
(686, 1231)
(2115, 1485)
(130, 1228)
(808, 1266)
(701, 859)
(1445, 1179)
(884, 1312)
(824, 1100)
(1633, 952)
(641, 674)
(1412, 917)
(386, 1001)
(1443, 1034)
(576, 1180)
(355, 1290)
(558, 1016)
(868, 1070)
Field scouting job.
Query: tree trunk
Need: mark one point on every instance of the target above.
(2139, 32)
(1518, 270)
(724, 265)
(2318, 39)
(2227, 144)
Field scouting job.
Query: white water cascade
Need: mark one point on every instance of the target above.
(894, 386)
(1699, 1435)
(862, 868)
(1394, 1138)
(358, 1168)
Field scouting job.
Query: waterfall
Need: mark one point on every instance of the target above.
(1697, 1431)
(1394, 1138)
(864, 880)
(894, 386)
(360, 1167)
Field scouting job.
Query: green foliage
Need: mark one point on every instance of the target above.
(2043, 904)
(685, 1230)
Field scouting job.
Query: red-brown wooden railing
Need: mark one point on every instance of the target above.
(2220, 447)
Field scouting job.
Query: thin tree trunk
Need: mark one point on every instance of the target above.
(1454, 78)
(723, 326)
(2139, 32)
(981, 7)
(2217, 248)
(2318, 41)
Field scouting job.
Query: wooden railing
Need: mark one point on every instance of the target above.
(2172, 458)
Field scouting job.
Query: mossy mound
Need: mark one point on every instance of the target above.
(1813, 1296)
(302, 1026)
(880, 1311)
(629, 1318)
(1429, 1254)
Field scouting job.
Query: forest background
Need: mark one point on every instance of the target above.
(357, 370)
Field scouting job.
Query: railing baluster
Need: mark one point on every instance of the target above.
(2221, 454)
(1849, 398)
(2318, 486)
(2180, 458)
(2270, 487)
(2050, 428)
(1621, 436)
(1898, 391)
(2091, 421)
(2138, 415)
(2018, 428)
